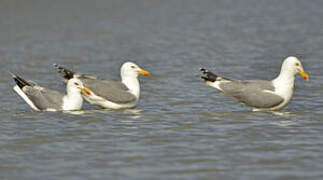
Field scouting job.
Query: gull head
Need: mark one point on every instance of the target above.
(293, 65)
(76, 86)
(130, 69)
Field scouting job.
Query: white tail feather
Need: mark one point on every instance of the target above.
(24, 97)
(215, 84)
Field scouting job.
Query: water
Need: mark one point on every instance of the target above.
(181, 129)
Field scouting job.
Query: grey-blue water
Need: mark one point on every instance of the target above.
(181, 128)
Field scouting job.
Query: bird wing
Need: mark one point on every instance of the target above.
(254, 93)
(113, 91)
(44, 98)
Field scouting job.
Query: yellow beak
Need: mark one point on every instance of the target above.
(143, 72)
(86, 91)
(303, 74)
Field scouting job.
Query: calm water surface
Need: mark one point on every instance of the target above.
(181, 129)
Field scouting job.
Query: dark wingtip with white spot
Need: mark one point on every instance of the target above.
(19, 81)
(204, 70)
(204, 78)
(66, 73)
(209, 76)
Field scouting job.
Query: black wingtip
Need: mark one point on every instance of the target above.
(66, 73)
(19, 81)
(204, 78)
(203, 70)
(209, 76)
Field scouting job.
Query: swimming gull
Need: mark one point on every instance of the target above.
(44, 99)
(260, 94)
(108, 93)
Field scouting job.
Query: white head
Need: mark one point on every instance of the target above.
(130, 69)
(75, 85)
(293, 65)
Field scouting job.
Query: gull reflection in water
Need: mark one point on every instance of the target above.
(284, 122)
(133, 113)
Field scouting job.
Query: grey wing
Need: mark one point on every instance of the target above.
(252, 93)
(44, 98)
(113, 91)
(81, 76)
(85, 76)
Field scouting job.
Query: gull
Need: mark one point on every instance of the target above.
(44, 99)
(108, 93)
(261, 95)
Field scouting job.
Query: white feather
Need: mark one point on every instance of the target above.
(24, 97)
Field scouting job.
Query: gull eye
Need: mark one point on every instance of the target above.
(133, 67)
(297, 64)
(76, 84)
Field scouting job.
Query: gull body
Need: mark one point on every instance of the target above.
(44, 99)
(108, 93)
(260, 94)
